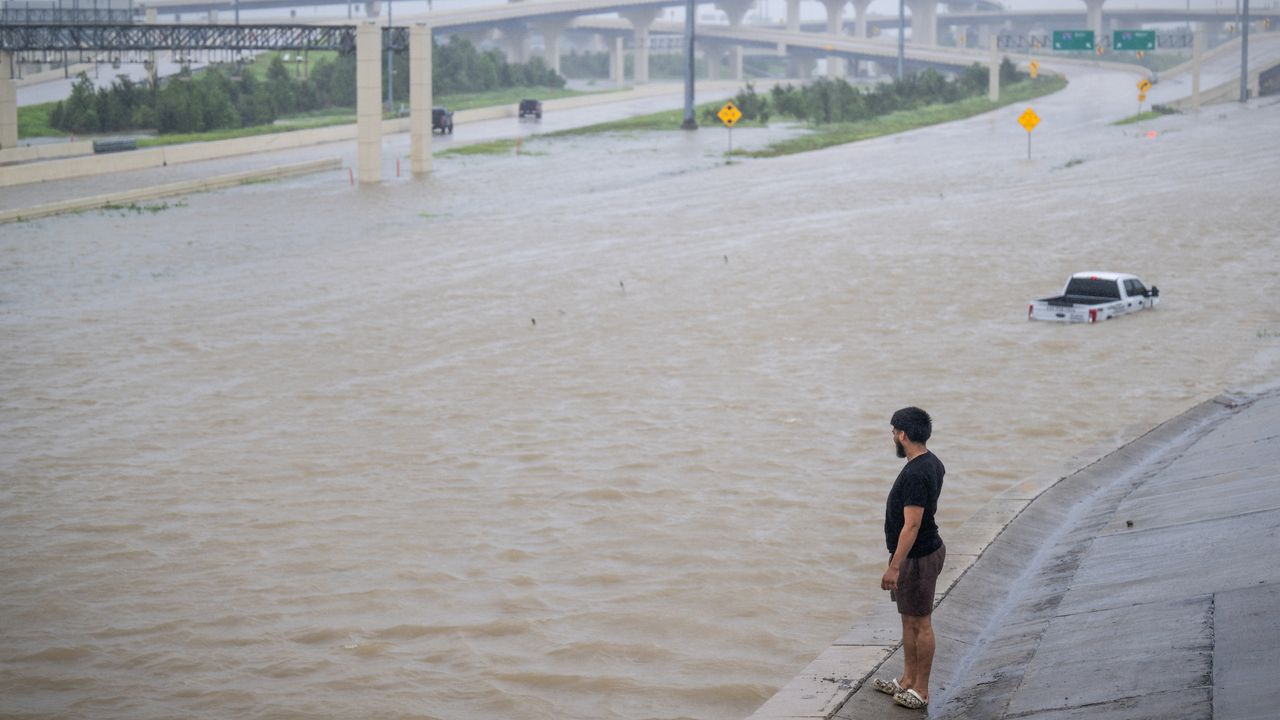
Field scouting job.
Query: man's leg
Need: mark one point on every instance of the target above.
(921, 630)
(908, 679)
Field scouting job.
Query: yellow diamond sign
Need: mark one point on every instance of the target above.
(729, 114)
(1035, 68)
(1144, 85)
(1029, 119)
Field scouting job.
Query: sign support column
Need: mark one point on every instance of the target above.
(993, 82)
(1197, 56)
(690, 9)
(1244, 53)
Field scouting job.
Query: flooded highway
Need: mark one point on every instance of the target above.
(600, 431)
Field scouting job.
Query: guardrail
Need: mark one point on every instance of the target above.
(115, 145)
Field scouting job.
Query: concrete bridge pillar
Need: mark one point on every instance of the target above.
(860, 18)
(8, 103)
(835, 23)
(984, 35)
(515, 42)
(369, 103)
(1094, 14)
(924, 22)
(551, 31)
(713, 56)
(420, 91)
(213, 17)
(617, 62)
(793, 25)
(372, 8)
(737, 12)
(641, 19)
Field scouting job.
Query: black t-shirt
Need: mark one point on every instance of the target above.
(919, 484)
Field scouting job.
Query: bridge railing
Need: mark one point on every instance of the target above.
(18, 15)
(30, 42)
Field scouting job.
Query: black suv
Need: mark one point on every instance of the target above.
(442, 120)
(531, 107)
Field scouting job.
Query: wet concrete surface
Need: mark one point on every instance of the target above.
(1141, 586)
(1264, 51)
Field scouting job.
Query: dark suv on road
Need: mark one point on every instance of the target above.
(531, 107)
(442, 120)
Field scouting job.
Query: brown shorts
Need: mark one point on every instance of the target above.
(917, 581)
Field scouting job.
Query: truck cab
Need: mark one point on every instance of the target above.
(530, 107)
(442, 120)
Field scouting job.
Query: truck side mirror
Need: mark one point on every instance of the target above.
(1155, 291)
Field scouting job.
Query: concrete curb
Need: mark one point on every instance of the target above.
(48, 151)
(827, 683)
(168, 190)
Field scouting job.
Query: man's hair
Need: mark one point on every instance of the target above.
(915, 422)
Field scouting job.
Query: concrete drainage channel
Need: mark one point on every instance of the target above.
(169, 190)
(1017, 558)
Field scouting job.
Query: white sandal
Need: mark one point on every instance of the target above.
(910, 699)
(888, 688)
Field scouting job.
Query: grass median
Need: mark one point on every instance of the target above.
(828, 135)
(33, 120)
(665, 120)
(1159, 111)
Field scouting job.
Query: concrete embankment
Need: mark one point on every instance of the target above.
(1138, 586)
(168, 190)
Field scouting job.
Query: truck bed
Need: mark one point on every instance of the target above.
(1069, 300)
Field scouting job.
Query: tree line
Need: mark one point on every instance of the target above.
(834, 101)
(220, 96)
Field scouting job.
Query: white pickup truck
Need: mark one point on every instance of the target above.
(1095, 296)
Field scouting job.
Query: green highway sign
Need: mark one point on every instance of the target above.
(1133, 40)
(1072, 39)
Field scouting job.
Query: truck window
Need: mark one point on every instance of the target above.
(1137, 288)
(1093, 287)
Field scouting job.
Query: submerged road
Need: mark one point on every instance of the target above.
(594, 432)
(623, 105)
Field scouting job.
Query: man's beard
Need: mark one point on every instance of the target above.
(902, 452)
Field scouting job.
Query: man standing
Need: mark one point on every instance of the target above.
(916, 553)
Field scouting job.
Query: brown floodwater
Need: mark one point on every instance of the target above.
(596, 432)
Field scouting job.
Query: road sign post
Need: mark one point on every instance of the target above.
(1133, 40)
(730, 115)
(1028, 120)
(1073, 40)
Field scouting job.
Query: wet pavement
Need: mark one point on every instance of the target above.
(1222, 66)
(395, 147)
(1142, 586)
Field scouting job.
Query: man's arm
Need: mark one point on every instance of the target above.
(912, 516)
